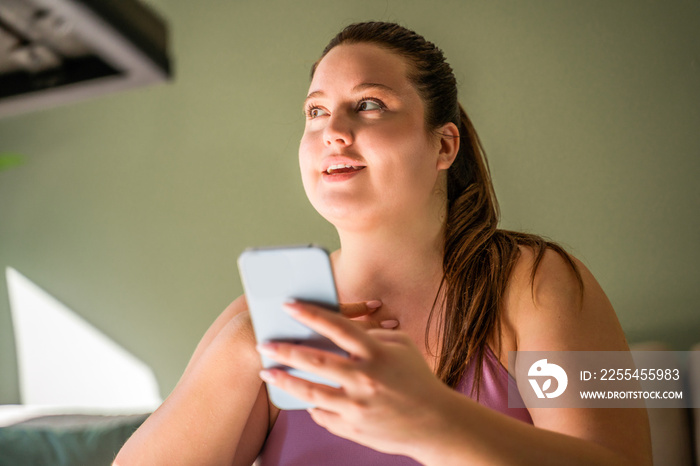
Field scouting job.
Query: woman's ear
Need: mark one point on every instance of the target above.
(449, 146)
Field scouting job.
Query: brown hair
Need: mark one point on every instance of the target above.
(478, 257)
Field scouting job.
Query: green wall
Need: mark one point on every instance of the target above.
(131, 209)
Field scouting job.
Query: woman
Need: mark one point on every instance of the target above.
(440, 295)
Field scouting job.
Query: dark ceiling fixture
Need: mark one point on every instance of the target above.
(58, 51)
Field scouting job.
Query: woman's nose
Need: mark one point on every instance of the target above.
(338, 131)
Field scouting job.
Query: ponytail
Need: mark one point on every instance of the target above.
(477, 264)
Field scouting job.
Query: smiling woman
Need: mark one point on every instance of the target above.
(391, 159)
(362, 110)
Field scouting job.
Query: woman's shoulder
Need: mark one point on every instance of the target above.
(234, 315)
(551, 310)
(236, 312)
(237, 309)
(553, 302)
(547, 277)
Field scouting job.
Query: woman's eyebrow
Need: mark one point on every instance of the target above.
(312, 95)
(378, 86)
(358, 88)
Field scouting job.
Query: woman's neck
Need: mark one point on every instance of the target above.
(402, 268)
(391, 259)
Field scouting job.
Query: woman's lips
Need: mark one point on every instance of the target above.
(335, 162)
(341, 174)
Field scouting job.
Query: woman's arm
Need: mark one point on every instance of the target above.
(390, 400)
(219, 400)
(549, 315)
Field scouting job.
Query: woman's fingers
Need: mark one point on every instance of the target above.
(333, 325)
(366, 308)
(373, 324)
(328, 365)
(388, 324)
(387, 336)
(361, 309)
(353, 310)
(313, 393)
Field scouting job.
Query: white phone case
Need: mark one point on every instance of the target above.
(271, 276)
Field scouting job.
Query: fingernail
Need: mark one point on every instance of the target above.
(290, 307)
(267, 376)
(265, 348)
(374, 304)
(389, 323)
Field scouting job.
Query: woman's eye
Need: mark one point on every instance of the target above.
(368, 105)
(315, 112)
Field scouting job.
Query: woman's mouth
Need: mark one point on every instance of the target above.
(341, 169)
(341, 172)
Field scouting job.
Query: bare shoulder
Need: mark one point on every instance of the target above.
(552, 310)
(235, 314)
(237, 306)
(237, 310)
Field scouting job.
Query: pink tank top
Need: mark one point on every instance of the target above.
(297, 440)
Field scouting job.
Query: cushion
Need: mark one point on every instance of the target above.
(66, 440)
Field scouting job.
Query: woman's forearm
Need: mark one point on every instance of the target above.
(203, 419)
(474, 434)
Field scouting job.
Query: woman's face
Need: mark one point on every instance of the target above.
(366, 155)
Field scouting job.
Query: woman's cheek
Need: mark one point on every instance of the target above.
(305, 166)
(307, 179)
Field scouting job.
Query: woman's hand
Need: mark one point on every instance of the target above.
(361, 314)
(388, 397)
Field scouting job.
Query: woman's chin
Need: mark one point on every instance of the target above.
(344, 216)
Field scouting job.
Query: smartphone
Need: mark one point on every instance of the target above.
(274, 275)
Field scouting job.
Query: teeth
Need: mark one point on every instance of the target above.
(339, 166)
